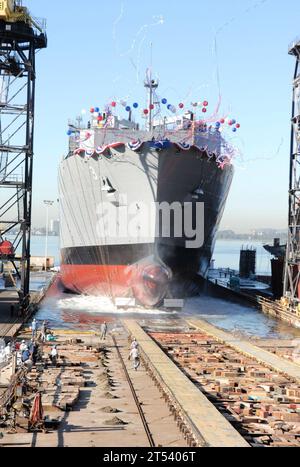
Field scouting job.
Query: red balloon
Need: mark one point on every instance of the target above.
(146, 111)
(181, 106)
(230, 122)
(114, 104)
(92, 110)
(100, 118)
(222, 120)
(238, 125)
(204, 110)
(151, 107)
(205, 103)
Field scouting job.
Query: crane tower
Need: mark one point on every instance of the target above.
(21, 36)
(292, 266)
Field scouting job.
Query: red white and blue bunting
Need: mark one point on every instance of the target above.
(102, 149)
(135, 145)
(221, 160)
(183, 146)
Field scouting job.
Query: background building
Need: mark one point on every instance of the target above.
(54, 227)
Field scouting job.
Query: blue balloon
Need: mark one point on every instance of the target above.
(97, 110)
(234, 130)
(128, 109)
(69, 132)
(169, 107)
(164, 101)
(135, 105)
(233, 122)
(218, 124)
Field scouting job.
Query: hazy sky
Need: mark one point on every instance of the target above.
(99, 50)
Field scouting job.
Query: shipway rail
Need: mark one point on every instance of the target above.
(197, 418)
(96, 376)
(134, 394)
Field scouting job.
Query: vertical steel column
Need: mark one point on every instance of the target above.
(292, 266)
(28, 177)
(18, 44)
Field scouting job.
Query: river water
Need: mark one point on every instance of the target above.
(65, 310)
(227, 253)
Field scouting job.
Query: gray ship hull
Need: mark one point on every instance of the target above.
(103, 252)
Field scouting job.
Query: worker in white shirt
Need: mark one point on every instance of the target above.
(7, 352)
(134, 344)
(54, 355)
(135, 357)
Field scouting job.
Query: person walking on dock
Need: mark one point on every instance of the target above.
(26, 359)
(33, 349)
(103, 331)
(7, 352)
(135, 357)
(134, 344)
(34, 328)
(44, 331)
(54, 355)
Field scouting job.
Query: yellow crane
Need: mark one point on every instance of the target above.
(13, 11)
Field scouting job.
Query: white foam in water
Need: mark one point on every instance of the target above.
(104, 305)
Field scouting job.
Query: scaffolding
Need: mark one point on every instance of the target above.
(20, 39)
(292, 264)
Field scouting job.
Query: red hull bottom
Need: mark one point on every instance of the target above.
(97, 280)
(146, 281)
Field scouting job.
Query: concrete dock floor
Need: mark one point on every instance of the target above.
(88, 424)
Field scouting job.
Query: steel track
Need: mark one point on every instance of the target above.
(137, 402)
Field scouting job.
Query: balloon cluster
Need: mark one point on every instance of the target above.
(170, 107)
(95, 111)
(146, 111)
(204, 105)
(231, 122)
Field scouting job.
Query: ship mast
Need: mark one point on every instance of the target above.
(150, 84)
(292, 266)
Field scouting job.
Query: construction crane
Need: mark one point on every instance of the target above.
(13, 11)
(292, 266)
(21, 36)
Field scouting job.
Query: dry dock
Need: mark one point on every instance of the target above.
(196, 387)
(262, 403)
(96, 399)
(206, 423)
